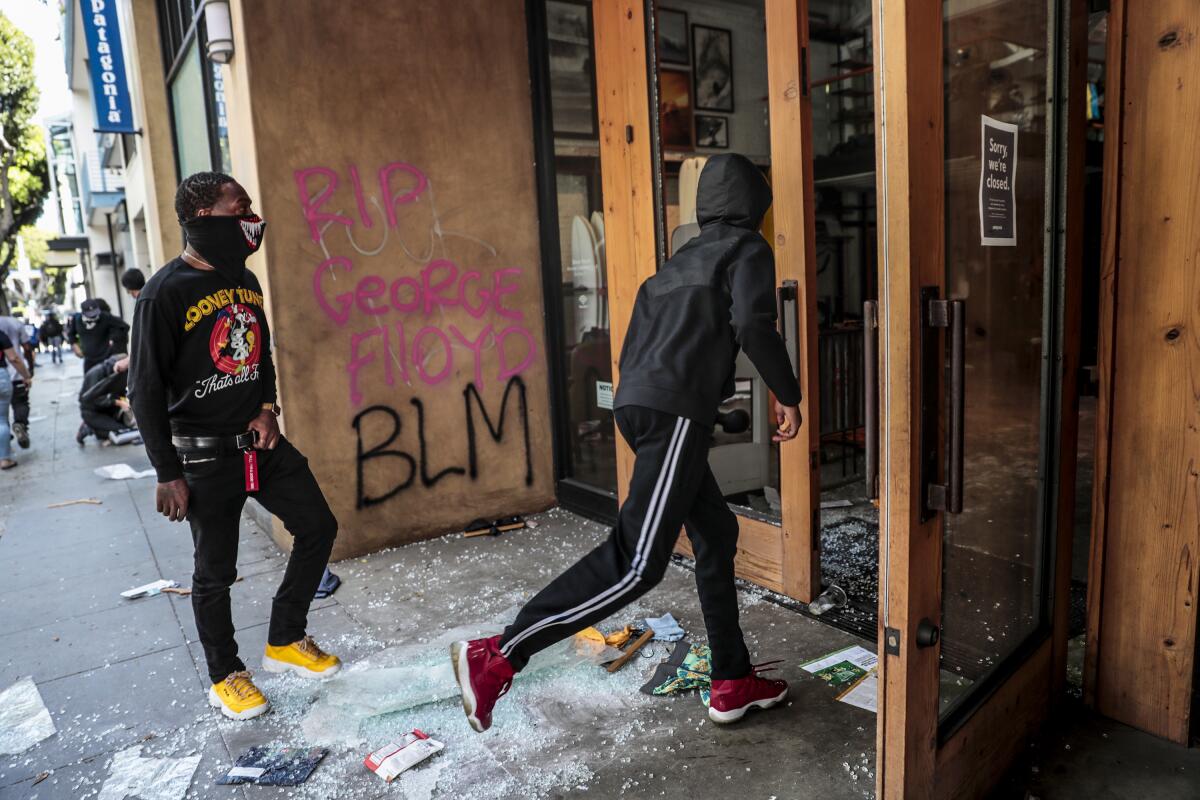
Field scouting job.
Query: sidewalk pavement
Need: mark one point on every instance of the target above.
(118, 673)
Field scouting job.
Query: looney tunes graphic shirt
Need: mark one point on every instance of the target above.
(201, 358)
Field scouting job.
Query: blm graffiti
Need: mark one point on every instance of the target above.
(412, 318)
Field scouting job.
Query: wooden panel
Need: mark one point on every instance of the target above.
(1070, 330)
(971, 761)
(795, 258)
(1110, 232)
(622, 92)
(1147, 633)
(909, 151)
(759, 553)
(420, 181)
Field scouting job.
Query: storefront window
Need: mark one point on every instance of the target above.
(191, 127)
(197, 89)
(584, 354)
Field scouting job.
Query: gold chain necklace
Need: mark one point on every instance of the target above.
(196, 261)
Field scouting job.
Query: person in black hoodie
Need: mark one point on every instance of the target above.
(202, 383)
(95, 334)
(51, 334)
(102, 402)
(712, 298)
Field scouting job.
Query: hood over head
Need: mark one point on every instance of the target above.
(732, 190)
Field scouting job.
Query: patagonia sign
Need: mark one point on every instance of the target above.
(106, 61)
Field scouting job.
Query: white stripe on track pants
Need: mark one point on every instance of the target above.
(671, 486)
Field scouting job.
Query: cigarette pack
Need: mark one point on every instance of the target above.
(389, 761)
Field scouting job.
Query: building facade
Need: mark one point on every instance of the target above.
(462, 200)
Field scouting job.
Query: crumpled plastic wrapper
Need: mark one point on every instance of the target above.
(408, 676)
(130, 775)
(24, 718)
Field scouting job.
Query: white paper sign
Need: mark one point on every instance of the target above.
(997, 183)
(604, 395)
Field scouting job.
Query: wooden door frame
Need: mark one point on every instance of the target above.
(911, 762)
(783, 558)
(1142, 575)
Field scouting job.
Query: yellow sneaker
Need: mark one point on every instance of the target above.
(303, 658)
(238, 697)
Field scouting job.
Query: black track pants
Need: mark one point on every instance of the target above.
(671, 485)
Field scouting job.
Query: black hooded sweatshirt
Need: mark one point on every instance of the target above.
(714, 296)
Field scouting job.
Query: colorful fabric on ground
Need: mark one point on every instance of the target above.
(689, 667)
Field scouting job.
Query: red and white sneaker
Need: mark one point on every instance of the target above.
(484, 675)
(730, 700)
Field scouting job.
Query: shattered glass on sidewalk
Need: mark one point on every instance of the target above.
(408, 676)
(24, 718)
(131, 775)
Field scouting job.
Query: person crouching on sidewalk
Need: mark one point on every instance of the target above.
(712, 298)
(102, 402)
(202, 383)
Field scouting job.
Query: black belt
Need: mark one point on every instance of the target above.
(242, 441)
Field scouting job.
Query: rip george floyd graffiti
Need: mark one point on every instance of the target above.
(417, 317)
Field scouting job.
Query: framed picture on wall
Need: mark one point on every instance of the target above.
(675, 109)
(673, 37)
(572, 75)
(712, 55)
(712, 131)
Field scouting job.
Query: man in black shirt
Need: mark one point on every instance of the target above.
(202, 382)
(95, 334)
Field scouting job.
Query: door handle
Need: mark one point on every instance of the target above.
(951, 315)
(871, 394)
(789, 293)
(784, 294)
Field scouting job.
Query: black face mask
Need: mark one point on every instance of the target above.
(226, 242)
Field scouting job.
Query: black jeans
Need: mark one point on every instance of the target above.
(288, 490)
(20, 400)
(672, 486)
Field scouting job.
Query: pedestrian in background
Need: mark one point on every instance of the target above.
(133, 280)
(52, 337)
(6, 394)
(30, 344)
(95, 334)
(17, 334)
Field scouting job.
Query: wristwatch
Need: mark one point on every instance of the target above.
(273, 408)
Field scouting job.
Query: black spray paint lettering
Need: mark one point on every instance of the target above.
(412, 468)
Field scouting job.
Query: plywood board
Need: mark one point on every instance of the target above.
(394, 162)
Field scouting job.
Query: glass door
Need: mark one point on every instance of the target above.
(675, 85)
(972, 182)
(997, 80)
